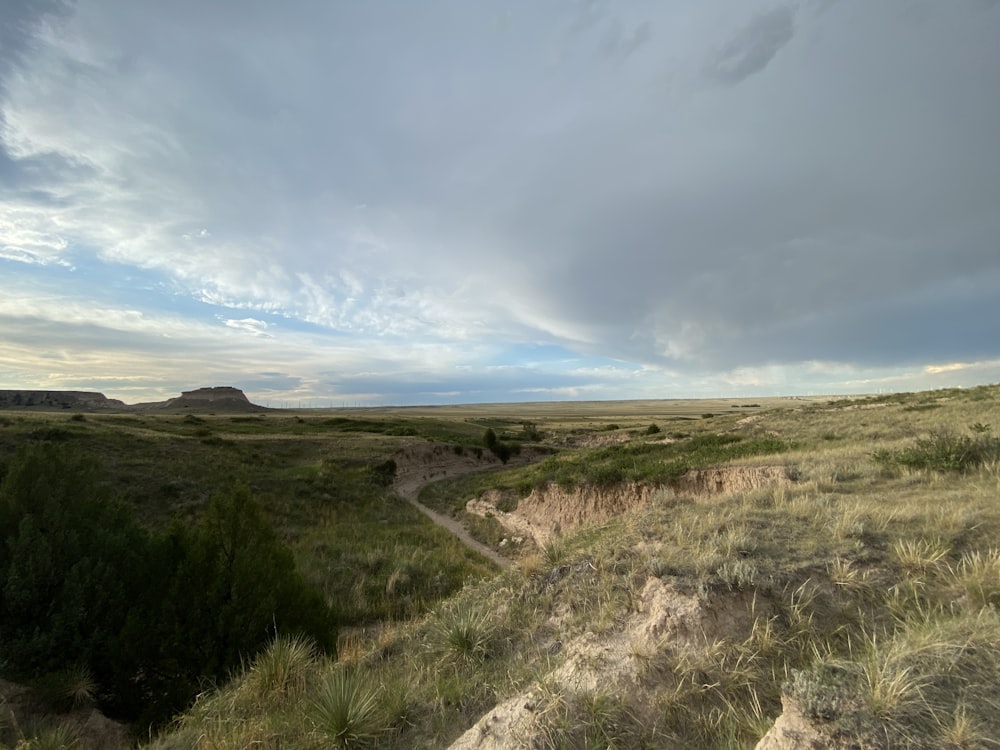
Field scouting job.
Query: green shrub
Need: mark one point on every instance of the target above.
(944, 450)
(383, 473)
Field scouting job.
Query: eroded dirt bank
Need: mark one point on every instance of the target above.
(552, 511)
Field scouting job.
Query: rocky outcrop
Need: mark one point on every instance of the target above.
(222, 398)
(50, 400)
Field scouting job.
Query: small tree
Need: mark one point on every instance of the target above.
(490, 440)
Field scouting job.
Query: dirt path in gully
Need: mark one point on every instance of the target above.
(420, 465)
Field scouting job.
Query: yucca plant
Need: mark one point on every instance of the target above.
(60, 737)
(282, 669)
(346, 711)
(465, 633)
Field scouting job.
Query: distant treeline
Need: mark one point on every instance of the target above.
(150, 616)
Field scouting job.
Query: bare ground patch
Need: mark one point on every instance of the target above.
(665, 620)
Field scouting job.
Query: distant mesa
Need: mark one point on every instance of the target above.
(50, 400)
(220, 398)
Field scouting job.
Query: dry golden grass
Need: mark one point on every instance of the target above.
(872, 595)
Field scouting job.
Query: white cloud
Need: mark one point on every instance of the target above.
(250, 325)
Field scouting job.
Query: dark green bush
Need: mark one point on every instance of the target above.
(383, 473)
(149, 616)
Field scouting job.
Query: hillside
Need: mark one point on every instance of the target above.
(818, 574)
(850, 604)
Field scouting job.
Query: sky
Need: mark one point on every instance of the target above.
(396, 202)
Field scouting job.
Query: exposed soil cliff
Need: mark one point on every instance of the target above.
(553, 511)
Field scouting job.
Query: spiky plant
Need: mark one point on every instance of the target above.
(282, 669)
(346, 712)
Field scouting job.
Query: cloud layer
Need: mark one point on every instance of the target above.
(401, 202)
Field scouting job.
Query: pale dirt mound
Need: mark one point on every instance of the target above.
(665, 620)
(553, 511)
(793, 730)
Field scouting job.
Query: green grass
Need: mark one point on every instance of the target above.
(318, 483)
(866, 591)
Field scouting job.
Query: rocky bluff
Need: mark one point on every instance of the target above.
(220, 398)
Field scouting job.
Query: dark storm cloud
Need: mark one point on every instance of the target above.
(750, 50)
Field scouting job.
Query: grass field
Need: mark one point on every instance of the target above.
(864, 593)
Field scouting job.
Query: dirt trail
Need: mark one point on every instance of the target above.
(419, 466)
(411, 490)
